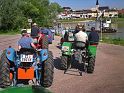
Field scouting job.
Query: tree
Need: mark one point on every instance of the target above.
(121, 15)
(15, 13)
(54, 9)
(10, 14)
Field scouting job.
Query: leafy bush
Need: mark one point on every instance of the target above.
(14, 14)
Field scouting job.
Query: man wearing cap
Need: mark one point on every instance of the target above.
(34, 30)
(77, 28)
(81, 35)
(36, 33)
(26, 41)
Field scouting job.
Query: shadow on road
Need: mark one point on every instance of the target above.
(57, 63)
(76, 65)
(70, 71)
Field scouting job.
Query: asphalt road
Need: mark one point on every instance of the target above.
(108, 76)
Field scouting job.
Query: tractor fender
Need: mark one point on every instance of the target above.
(66, 48)
(43, 54)
(10, 53)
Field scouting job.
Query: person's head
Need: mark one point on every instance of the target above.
(78, 24)
(34, 24)
(92, 28)
(24, 33)
(77, 27)
(81, 28)
(67, 28)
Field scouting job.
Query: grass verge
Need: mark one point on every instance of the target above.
(9, 32)
(117, 41)
(74, 20)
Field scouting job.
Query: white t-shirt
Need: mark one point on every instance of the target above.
(81, 36)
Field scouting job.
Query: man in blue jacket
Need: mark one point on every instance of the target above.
(93, 37)
(26, 41)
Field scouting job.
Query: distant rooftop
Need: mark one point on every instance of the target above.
(66, 8)
(121, 11)
(81, 11)
(103, 8)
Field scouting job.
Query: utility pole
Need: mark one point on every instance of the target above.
(101, 29)
(97, 9)
(99, 18)
(101, 24)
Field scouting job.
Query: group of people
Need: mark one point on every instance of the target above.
(81, 35)
(28, 40)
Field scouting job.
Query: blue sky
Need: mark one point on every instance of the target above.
(86, 4)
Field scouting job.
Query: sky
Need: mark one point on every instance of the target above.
(87, 4)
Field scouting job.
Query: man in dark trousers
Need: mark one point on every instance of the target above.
(35, 33)
(34, 30)
(93, 37)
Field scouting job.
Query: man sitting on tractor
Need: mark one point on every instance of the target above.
(81, 36)
(77, 28)
(35, 33)
(93, 37)
(26, 41)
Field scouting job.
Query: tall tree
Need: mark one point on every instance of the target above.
(9, 13)
(15, 13)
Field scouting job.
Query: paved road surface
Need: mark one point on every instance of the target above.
(107, 78)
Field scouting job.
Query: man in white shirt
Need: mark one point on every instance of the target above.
(81, 35)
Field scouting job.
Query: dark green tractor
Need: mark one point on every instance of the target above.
(85, 56)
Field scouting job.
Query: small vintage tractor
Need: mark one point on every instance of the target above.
(78, 52)
(67, 52)
(25, 65)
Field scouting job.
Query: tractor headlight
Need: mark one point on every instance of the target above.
(65, 48)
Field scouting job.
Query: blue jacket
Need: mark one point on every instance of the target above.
(93, 36)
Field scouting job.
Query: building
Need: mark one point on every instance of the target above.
(121, 11)
(98, 10)
(110, 13)
(105, 11)
(66, 14)
(80, 13)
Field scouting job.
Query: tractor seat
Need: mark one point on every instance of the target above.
(27, 51)
(80, 44)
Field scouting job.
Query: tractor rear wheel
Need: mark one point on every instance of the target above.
(91, 64)
(64, 62)
(48, 71)
(4, 71)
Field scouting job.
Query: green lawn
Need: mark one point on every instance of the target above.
(114, 41)
(120, 19)
(26, 89)
(9, 32)
(83, 19)
(78, 19)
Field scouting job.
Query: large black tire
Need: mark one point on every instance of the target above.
(44, 43)
(47, 72)
(4, 71)
(91, 65)
(64, 62)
